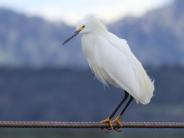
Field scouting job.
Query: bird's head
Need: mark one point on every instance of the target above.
(90, 24)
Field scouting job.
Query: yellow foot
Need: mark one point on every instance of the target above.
(108, 122)
(118, 122)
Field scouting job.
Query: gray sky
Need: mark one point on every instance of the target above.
(72, 10)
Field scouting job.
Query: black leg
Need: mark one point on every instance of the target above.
(108, 120)
(126, 106)
(119, 105)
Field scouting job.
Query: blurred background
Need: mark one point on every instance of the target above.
(40, 79)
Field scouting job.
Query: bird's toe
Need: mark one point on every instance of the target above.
(109, 123)
(117, 121)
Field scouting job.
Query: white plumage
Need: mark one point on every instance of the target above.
(112, 61)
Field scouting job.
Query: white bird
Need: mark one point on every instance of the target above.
(113, 62)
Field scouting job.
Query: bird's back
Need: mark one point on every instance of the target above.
(146, 85)
(112, 61)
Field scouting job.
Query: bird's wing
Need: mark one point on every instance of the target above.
(123, 68)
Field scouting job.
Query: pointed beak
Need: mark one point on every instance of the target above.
(74, 34)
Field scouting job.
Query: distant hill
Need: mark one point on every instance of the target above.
(33, 41)
(156, 38)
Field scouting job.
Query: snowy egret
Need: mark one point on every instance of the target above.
(113, 62)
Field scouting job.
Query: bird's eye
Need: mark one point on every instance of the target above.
(83, 26)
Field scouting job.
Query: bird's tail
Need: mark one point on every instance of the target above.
(146, 86)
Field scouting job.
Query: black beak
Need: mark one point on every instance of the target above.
(74, 34)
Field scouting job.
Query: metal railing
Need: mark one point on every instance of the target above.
(58, 124)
